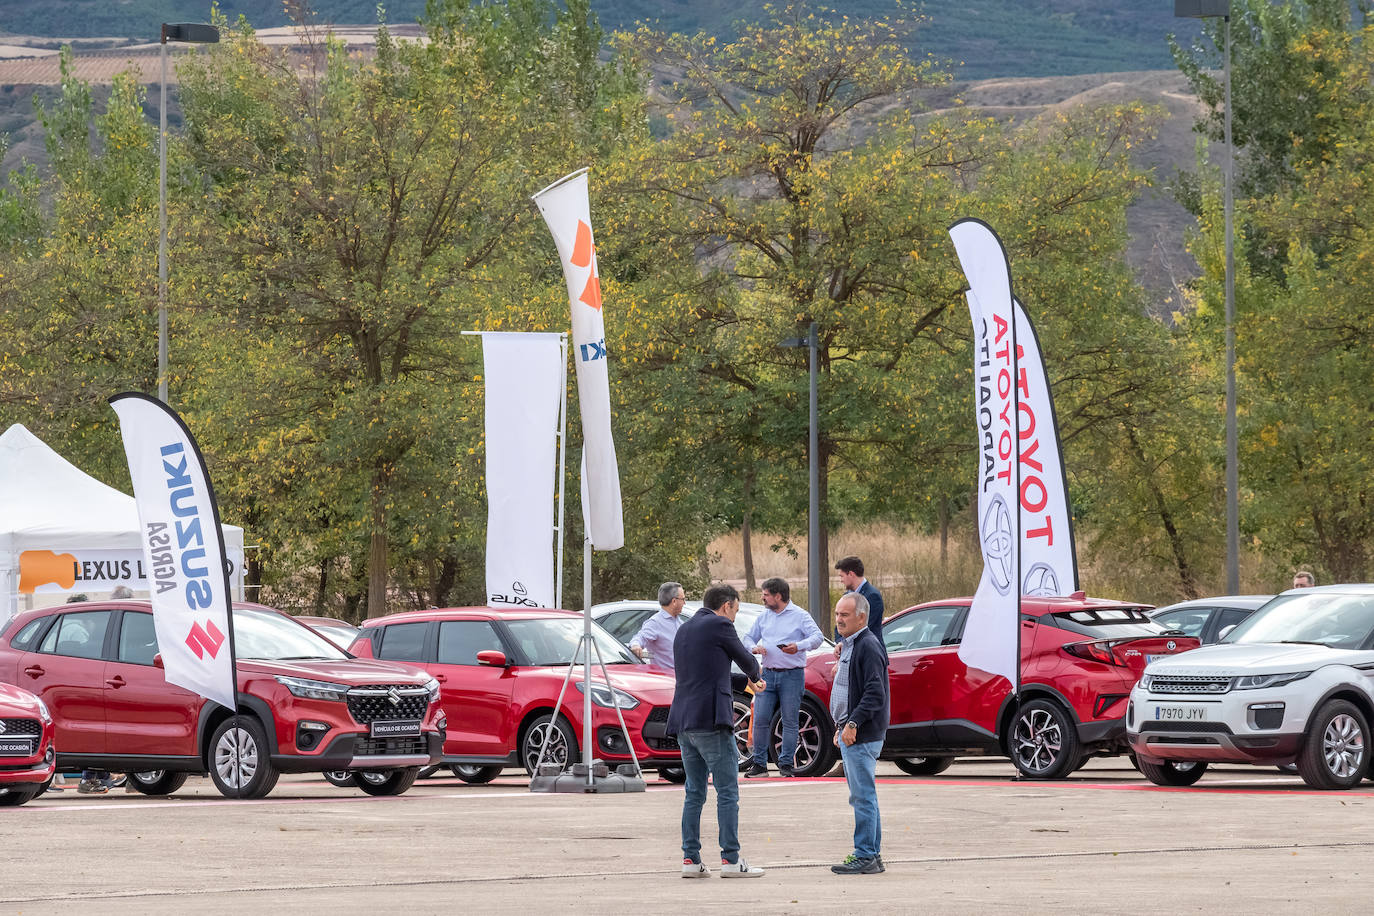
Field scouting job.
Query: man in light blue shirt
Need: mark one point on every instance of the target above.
(655, 637)
(783, 636)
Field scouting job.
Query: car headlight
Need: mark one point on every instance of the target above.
(432, 686)
(609, 697)
(43, 710)
(313, 690)
(1255, 681)
(1146, 680)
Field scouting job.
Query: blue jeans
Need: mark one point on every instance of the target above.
(710, 752)
(784, 691)
(860, 767)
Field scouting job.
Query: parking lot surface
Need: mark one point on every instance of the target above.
(972, 840)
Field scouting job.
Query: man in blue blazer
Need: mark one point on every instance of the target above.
(851, 571)
(703, 719)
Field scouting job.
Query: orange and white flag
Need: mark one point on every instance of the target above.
(567, 211)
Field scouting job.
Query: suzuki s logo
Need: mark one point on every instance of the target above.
(2, 726)
(1171, 645)
(394, 696)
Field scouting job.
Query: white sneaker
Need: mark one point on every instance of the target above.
(692, 869)
(740, 869)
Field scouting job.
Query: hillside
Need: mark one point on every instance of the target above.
(981, 38)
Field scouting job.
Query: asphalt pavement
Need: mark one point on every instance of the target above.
(972, 840)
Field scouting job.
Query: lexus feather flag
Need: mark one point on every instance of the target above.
(188, 573)
(991, 639)
(567, 211)
(524, 381)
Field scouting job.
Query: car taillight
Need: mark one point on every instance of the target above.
(1093, 652)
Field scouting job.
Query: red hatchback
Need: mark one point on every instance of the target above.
(500, 671)
(26, 746)
(1080, 657)
(304, 704)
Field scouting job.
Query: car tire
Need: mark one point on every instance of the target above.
(923, 766)
(562, 745)
(387, 782)
(241, 760)
(1336, 752)
(743, 710)
(475, 774)
(815, 741)
(1173, 772)
(1043, 742)
(19, 795)
(157, 782)
(344, 779)
(676, 775)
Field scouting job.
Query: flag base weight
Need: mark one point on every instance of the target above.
(574, 779)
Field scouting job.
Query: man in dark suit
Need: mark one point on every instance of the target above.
(703, 719)
(860, 703)
(851, 571)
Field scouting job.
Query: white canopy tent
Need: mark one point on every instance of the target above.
(61, 530)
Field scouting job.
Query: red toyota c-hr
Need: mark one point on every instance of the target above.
(305, 705)
(26, 746)
(500, 671)
(1080, 657)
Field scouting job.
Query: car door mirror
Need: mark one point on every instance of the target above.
(492, 657)
(1225, 631)
(157, 660)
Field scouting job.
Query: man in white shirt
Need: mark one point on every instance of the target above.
(783, 637)
(655, 637)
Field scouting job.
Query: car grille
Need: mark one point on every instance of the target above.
(374, 701)
(656, 730)
(21, 727)
(1189, 684)
(1211, 728)
(370, 746)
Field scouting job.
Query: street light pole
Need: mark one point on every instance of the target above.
(1211, 9)
(817, 576)
(196, 33)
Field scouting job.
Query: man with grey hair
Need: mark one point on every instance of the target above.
(859, 702)
(655, 637)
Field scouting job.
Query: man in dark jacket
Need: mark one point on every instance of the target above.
(860, 705)
(703, 719)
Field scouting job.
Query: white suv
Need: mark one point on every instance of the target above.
(1294, 683)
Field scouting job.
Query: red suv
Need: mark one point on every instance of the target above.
(26, 747)
(500, 671)
(304, 704)
(1080, 657)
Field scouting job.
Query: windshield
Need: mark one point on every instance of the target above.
(267, 636)
(553, 640)
(1109, 622)
(1335, 620)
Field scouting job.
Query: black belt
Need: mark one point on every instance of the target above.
(797, 668)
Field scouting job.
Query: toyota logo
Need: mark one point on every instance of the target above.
(1040, 581)
(999, 544)
(394, 696)
(1171, 645)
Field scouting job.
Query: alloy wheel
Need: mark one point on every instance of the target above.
(1343, 746)
(808, 739)
(1037, 740)
(236, 758)
(557, 751)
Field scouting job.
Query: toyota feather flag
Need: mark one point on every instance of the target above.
(1048, 559)
(991, 639)
(182, 547)
(524, 381)
(567, 211)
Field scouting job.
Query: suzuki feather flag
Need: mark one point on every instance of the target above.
(524, 392)
(567, 211)
(991, 639)
(182, 547)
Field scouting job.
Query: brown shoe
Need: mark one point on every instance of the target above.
(837, 771)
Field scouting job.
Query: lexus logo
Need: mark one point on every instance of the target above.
(1171, 645)
(519, 588)
(394, 696)
(999, 548)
